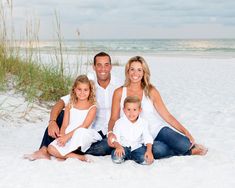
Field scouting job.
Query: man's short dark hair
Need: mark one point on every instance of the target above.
(102, 54)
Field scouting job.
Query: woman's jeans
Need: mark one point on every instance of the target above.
(136, 155)
(170, 143)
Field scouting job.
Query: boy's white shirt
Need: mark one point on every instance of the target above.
(132, 135)
(104, 103)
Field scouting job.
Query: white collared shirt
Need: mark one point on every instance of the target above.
(104, 103)
(132, 135)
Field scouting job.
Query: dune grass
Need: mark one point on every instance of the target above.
(35, 81)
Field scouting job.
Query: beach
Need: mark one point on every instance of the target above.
(198, 91)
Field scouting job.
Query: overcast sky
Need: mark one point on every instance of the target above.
(129, 18)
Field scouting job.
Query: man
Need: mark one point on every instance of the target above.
(105, 86)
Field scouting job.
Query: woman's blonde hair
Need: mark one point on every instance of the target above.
(145, 82)
(83, 79)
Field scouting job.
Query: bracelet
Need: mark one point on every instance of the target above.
(52, 120)
(109, 133)
(113, 140)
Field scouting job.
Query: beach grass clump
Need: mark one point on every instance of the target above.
(35, 81)
(2, 68)
(19, 70)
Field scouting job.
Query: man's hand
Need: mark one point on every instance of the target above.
(53, 129)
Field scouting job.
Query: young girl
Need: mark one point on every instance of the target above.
(78, 117)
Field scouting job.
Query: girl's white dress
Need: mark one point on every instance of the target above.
(82, 137)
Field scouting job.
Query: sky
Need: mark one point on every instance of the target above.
(121, 19)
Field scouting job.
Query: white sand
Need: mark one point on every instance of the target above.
(198, 92)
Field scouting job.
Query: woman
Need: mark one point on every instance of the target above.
(168, 142)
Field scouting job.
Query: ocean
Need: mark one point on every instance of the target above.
(167, 47)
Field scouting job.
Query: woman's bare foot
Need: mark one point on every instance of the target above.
(40, 154)
(199, 150)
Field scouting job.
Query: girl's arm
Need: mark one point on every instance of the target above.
(164, 113)
(89, 118)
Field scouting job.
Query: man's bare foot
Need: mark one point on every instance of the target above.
(199, 150)
(40, 154)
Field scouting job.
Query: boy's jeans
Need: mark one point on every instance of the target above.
(137, 155)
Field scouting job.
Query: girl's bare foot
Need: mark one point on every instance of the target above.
(77, 156)
(40, 154)
(199, 150)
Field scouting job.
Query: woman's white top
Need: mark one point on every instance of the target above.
(149, 113)
(132, 135)
(82, 137)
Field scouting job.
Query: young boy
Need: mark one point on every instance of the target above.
(134, 141)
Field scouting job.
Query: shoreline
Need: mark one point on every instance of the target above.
(200, 55)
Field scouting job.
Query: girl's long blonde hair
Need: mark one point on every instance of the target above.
(83, 79)
(145, 82)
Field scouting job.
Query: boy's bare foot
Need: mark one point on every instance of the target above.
(199, 149)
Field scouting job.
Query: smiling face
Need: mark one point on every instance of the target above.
(132, 111)
(135, 72)
(82, 91)
(102, 67)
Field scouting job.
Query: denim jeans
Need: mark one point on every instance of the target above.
(136, 155)
(99, 148)
(161, 150)
(169, 143)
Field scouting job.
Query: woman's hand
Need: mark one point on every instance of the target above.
(190, 137)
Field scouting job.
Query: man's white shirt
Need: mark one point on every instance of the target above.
(132, 135)
(104, 103)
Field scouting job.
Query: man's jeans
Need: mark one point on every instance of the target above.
(136, 155)
(99, 148)
(170, 143)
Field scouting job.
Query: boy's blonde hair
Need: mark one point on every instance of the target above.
(132, 99)
(83, 79)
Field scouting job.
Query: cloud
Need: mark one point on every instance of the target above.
(94, 15)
